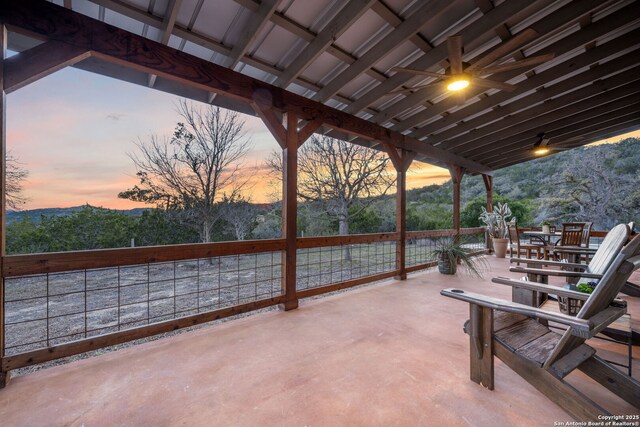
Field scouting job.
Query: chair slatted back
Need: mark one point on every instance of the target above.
(586, 234)
(514, 235)
(609, 248)
(572, 234)
(610, 285)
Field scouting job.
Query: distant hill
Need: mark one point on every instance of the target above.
(600, 180)
(598, 183)
(36, 214)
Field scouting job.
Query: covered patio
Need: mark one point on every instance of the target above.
(387, 353)
(543, 76)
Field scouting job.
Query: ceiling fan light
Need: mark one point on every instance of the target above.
(540, 151)
(457, 83)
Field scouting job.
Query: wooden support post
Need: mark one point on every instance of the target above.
(457, 173)
(290, 139)
(401, 160)
(488, 185)
(289, 212)
(401, 223)
(4, 375)
(481, 345)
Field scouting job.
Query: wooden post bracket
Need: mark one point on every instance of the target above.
(289, 139)
(401, 160)
(38, 62)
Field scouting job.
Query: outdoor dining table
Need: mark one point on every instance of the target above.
(544, 238)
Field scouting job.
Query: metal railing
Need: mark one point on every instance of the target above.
(61, 304)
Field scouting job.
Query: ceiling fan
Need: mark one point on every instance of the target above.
(459, 75)
(542, 146)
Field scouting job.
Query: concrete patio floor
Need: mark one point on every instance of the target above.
(392, 353)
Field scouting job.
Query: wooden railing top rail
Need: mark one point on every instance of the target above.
(352, 239)
(442, 233)
(593, 233)
(22, 265)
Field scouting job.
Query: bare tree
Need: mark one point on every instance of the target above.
(592, 189)
(241, 216)
(15, 175)
(195, 170)
(338, 175)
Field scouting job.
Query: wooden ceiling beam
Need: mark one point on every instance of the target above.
(417, 98)
(418, 20)
(42, 19)
(577, 132)
(168, 22)
(386, 13)
(557, 128)
(214, 45)
(588, 139)
(506, 115)
(477, 29)
(250, 31)
(604, 26)
(597, 93)
(31, 65)
(349, 14)
(566, 14)
(305, 34)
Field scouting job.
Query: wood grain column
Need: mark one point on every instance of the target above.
(488, 185)
(4, 376)
(290, 212)
(290, 139)
(401, 160)
(457, 173)
(401, 223)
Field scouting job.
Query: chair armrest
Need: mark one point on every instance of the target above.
(602, 320)
(574, 250)
(548, 263)
(581, 326)
(541, 287)
(557, 273)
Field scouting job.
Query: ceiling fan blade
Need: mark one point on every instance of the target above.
(504, 49)
(413, 89)
(492, 84)
(454, 44)
(528, 62)
(419, 72)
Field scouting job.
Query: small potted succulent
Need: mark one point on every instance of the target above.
(497, 227)
(546, 226)
(449, 253)
(572, 306)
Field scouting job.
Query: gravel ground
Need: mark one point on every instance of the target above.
(46, 310)
(87, 355)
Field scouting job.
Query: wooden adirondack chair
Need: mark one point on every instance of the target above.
(578, 272)
(511, 332)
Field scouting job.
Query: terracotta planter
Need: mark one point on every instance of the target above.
(445, 267)
(500, 247)
(546, 229)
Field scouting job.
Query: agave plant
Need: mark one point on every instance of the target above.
(496, 221)
(448, 253)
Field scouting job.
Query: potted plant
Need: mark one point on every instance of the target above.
(497, 227)
(546, 226)
(572, 306)
(449, 253)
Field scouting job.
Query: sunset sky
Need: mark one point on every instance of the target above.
(72, 132)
